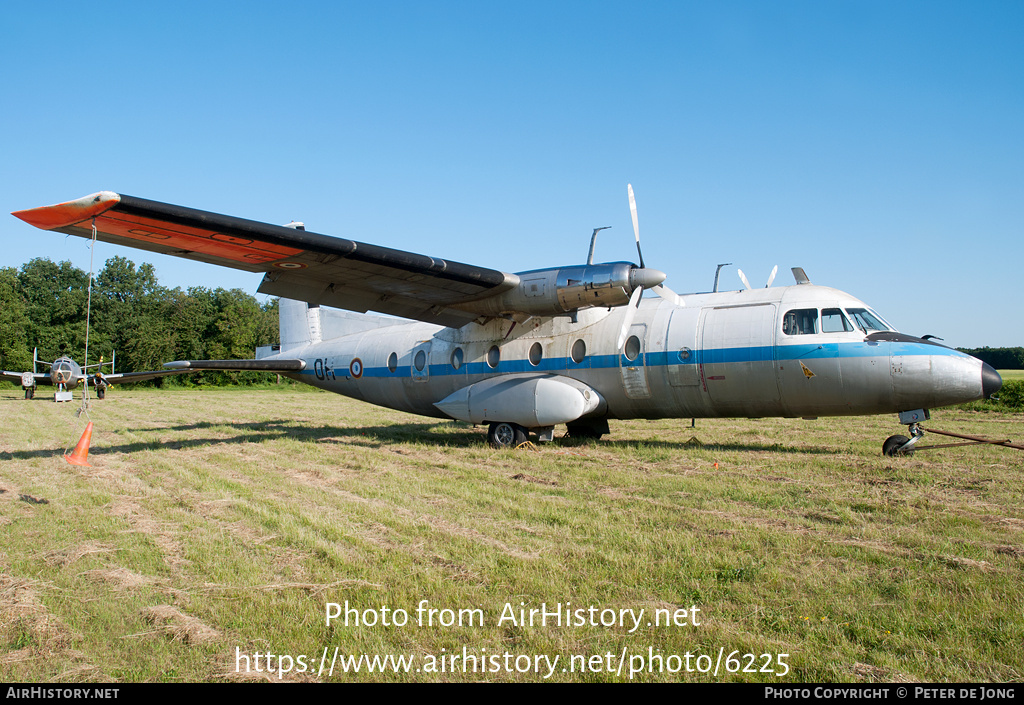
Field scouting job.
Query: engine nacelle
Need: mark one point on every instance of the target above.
(551, 292)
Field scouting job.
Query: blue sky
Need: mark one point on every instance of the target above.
(879, 145)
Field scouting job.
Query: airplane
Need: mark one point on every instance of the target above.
(525, 352)
(65, 374)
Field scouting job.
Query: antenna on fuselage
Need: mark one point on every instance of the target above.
(717, 272)
(593, 241)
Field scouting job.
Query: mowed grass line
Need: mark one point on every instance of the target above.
(220, 519)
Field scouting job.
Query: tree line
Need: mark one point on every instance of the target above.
(999, 358)
(43, 305)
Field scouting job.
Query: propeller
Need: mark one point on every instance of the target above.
(669, 295)
(636, 224)
(627, 319)
(746, 282)
(642, 278)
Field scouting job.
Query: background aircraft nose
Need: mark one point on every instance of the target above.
(991, 382)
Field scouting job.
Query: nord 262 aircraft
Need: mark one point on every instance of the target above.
(524, 352)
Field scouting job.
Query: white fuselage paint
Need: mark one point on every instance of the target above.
(719, 355)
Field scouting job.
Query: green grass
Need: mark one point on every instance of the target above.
(220, 519)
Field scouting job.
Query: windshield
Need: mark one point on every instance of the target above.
(867, 320)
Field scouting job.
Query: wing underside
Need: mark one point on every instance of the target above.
(296, 264)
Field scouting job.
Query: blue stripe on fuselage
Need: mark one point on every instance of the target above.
(658, 359)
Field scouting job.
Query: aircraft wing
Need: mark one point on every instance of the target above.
(16, 377)
(296, 264)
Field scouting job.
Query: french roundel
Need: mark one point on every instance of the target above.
(355, 368)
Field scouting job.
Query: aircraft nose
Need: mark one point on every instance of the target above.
(991, 382)
(646, 277)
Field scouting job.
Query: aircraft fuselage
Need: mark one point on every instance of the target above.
(796, 351)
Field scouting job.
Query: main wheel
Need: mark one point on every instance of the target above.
(892, 446)
(503, 434)
(30, 392)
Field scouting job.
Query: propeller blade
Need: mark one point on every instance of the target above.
(743, 278)
(771, 277)
(627, 319)
(636, 223)
(669, 295)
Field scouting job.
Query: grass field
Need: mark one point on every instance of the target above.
(217, 525)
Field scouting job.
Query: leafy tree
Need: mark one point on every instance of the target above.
(15, 354)
(44, 304)
(55, 295)
(130, 315)
(999, 358)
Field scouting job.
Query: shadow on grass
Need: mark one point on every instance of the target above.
(438, 433)
(656, 444)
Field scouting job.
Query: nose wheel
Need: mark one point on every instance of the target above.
(894, 445)
(901, 445)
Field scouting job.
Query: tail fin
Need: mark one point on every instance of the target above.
(303, 324)
(299, 324)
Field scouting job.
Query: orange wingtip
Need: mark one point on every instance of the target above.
(64, 214)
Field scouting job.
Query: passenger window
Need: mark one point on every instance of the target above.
(833, 321)
(801, 321)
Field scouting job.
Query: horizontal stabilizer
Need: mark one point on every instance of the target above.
(238, 365)
(130, 377)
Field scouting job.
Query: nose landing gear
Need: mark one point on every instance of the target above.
(901, 445)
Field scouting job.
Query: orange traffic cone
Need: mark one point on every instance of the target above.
(80, 455)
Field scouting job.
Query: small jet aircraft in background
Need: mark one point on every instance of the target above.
(65, 374)
(574, 345)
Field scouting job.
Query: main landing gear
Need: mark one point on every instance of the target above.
(503, 434)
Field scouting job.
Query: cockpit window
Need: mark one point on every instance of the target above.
(801, 321)
(833, 321)
(867, 320)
